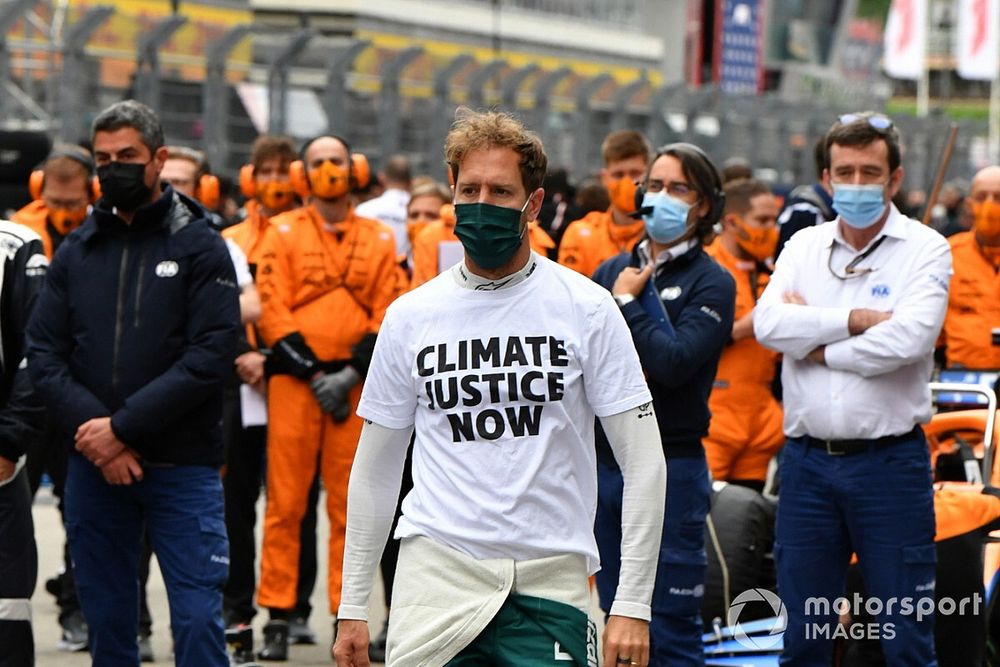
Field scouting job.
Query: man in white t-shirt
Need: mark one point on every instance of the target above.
(390, 207)
(500, 365)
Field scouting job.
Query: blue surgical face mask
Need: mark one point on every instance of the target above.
(668, 220)
(859, 206)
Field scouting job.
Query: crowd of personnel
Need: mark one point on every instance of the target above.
(140, 270)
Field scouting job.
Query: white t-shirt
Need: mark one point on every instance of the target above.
(502, 388)
(243, 275)
(390, 209)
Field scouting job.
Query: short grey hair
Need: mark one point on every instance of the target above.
(130, 113)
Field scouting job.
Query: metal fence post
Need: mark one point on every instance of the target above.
(656, 125)
(147, 66)
(389, 120)
(583, 121)
(277, 80)
(511, 85)
(12, 12)
(443, 109)
(215, 96)
(543, 94)
(72, 78)
(619, 117)
(335, 93)
(479, 79)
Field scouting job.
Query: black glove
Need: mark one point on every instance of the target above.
(293, 356)
(331, 390)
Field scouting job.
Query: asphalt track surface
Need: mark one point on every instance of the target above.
(50, 536)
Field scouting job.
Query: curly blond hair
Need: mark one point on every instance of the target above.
(473, 130)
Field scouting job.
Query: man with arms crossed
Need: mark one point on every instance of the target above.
(855, 305)
(500, 365)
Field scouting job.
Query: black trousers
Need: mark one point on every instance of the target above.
(390, 556)
(18, 571)
(244, 476)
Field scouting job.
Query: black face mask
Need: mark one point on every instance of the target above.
(123, 184)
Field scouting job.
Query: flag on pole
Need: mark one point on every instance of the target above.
(977, 47)
(905, 36)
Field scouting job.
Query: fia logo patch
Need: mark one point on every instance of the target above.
(670, 293)
(167, 269)
(880, 291)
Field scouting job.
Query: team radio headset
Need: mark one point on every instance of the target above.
(36, 185)
(717, 198)
(207, 189)
(36, 181)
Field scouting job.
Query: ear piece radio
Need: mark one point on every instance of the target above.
(716, 198)
(640, 210)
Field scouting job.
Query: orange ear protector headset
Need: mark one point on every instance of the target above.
(359, 173)
(208, 191)
(248, 184)
(36, 181)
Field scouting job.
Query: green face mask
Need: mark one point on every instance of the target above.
(490, 234)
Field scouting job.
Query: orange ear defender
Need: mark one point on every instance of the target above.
(36, 183)
(360, 174)
(209, 192)
(360, 171)
(298, 178)
(248, 185)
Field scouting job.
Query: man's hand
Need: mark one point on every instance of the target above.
(743, 327)
(331, 390)
(7, 469)
(122, 469)
(626, 642)
(863, 319)
(250, 367)
(351, 649)
(794, 297)
(631, 280)
(818, 356)
(96, 441)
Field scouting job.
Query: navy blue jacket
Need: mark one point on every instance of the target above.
(699, 297)
(139, 322)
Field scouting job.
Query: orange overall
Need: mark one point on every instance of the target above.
(249, 234)
(425, 247)
(746, 427)
(595, 238)
(332, 287)
(35, 216)
(973, 305)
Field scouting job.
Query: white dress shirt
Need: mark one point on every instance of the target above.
(390, 208)
(874, 384)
